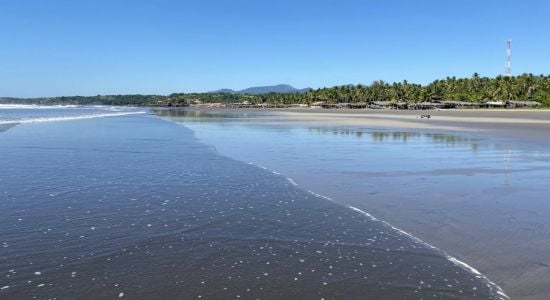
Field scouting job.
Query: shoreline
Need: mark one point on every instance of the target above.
(225, 224)
(495, 231)
(6, 126)
(526, 126)
(495, 288)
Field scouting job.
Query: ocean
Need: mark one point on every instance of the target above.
(106, 203)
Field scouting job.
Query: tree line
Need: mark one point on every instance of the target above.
(525, 87)
(137, 100)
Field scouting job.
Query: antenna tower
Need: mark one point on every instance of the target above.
(508, 58)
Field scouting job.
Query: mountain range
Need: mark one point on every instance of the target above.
(280, 88)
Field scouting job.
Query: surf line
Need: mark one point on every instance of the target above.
(493, 287)
(81, 117)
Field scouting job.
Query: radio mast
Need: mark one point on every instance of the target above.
(508, 65)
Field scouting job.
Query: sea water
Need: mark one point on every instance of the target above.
(135, 206)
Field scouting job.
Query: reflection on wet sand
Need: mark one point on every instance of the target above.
(259, 118)
(477, 194)
(205, 116)
(5, 127)
(448, 140)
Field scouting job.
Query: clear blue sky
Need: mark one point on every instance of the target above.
(52, 48)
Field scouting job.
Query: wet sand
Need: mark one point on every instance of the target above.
(4, 127)
(134, 207)
(506, 236)
(528, 126)
(503, 231)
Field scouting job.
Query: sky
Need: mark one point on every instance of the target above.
(91, 47)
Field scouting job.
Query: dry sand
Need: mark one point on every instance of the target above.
(527, 125)
(530, 126)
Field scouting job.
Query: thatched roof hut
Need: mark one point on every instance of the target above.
(426, 105)
(318, 104)
(358, 105)
(399, 105)
(494, 104)
(515, 104)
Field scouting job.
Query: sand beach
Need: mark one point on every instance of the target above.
(500, 228)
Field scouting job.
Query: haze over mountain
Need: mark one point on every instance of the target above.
(280, 88)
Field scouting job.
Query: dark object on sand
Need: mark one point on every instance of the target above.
(425, 116)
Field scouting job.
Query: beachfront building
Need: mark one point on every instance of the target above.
(495, 104)
(358, 105)
(399, 105)
(461, 104)
(379, 104)
(523, 104)
(426, 105)
(317, 104)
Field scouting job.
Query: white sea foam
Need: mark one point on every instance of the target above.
(108, 107)
(68, 118)
(292, 181)
(493, 287)
(35, 106)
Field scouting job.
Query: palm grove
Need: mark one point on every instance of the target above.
(526, 87)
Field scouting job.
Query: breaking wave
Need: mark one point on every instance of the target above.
(68, 118)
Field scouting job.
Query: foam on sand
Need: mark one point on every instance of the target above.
(493, 287)
(35, 106)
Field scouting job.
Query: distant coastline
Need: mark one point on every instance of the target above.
(524, 91)
(530, 126)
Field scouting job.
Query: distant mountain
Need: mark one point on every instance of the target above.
(224, 91)
(280, 88)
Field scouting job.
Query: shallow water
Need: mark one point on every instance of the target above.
(11, 114)
(350, 151)
(479, 196)
(136, 207)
